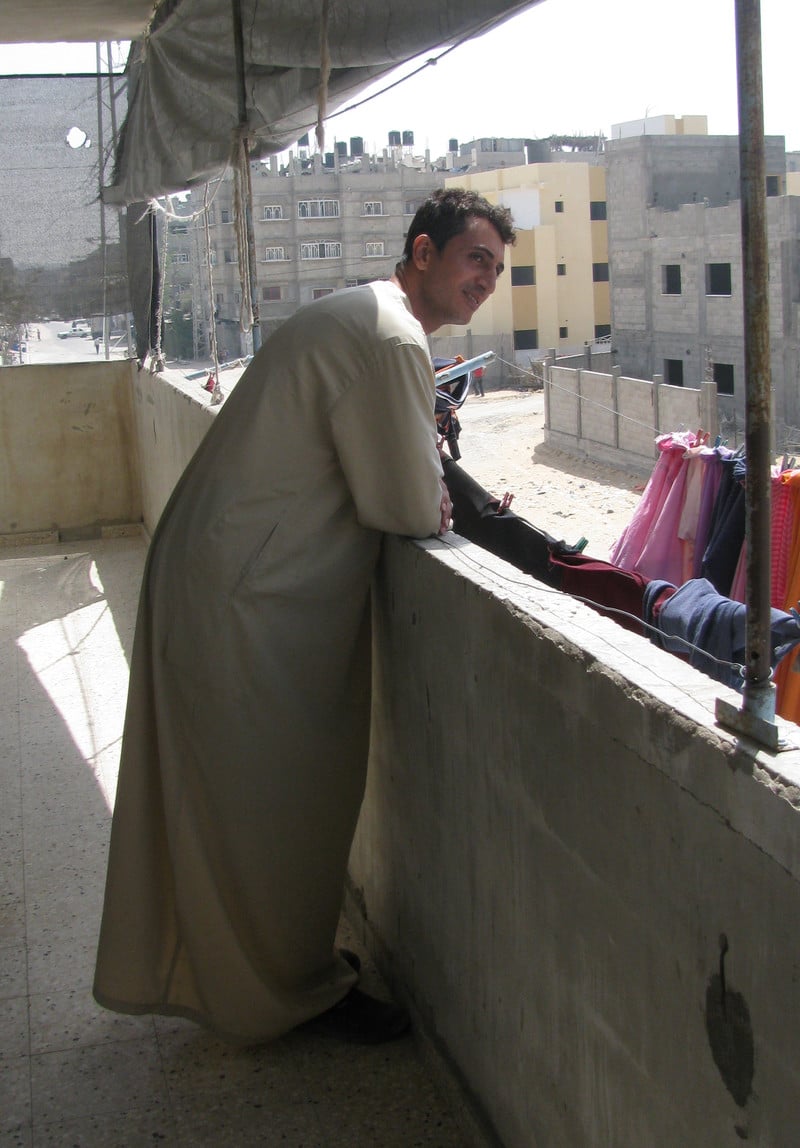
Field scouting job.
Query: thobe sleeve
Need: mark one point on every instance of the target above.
(385, 436)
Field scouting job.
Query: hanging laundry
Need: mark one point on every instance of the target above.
(715, 627)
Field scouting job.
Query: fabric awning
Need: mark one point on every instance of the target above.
(184, 120)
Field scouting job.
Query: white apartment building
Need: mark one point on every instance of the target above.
(316, 229)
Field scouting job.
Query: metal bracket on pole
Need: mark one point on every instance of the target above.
(749, 722)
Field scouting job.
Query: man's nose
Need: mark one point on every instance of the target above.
(489, 279)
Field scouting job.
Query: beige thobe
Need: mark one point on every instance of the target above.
(247, 728)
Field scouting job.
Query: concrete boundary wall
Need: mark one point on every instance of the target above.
(588, 891)
(69, 463)
(613, 419)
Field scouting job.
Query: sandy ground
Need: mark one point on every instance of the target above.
(502, 447)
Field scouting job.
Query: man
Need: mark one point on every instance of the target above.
(247, 729)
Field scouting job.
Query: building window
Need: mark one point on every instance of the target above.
(225, 214)
(275, 254)
(320, 250)
(318, 209)
(220, 297)
(230, 256)
(373, 207)
(723, 377)
(673, 372)
(178, 228)
(561, 269)
(271, 294)
(773, 188)
(524, 276)
(180, 257)
(597, 209)
(559, 207)
(374, 249)
(410, 207)
(600, 273)
(718, 279)
(602, 331)
(670, 278)
(321, 292)
(272, 211)
(357, 282)
(563, 332)
(526, 340)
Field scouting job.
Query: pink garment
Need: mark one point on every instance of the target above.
(783, 517)
(661, 555)
(690, 515)
(627, 550)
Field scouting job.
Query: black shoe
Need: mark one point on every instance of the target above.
(353, 959)
(361, 1019)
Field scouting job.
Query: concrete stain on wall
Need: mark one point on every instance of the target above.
(730, 1033)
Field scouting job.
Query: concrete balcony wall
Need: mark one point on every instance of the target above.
(589, 891)
(172, 415)
(69, 462)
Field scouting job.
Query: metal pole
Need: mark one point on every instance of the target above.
(759, 692)
(241, 92)
(101, 165)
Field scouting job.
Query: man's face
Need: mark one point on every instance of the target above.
(455, 281)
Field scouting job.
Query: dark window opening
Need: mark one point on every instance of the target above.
(559, 207)
(673, 372)
(600, 273)
(526, 340)
(671, 279)
(563, 332)
(597, 209)
(562, 269)
(270, 294)
(523, 276)
(723, 377)
(773, 185)
(602, 330)
(718, 279)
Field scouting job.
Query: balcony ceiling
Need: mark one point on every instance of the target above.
(204, 81)
(72, 21)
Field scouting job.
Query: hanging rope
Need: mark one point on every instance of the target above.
(157, 358)
(324, 75)
(216, 394)
(241, 198)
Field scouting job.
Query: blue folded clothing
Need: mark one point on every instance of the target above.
(697, 613)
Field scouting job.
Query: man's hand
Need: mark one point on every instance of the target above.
(446, 509)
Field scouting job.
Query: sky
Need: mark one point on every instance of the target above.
(563, 67)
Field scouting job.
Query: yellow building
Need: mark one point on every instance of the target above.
(555, 293)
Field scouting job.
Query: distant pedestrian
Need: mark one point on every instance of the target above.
(477, 378)
(97, 346)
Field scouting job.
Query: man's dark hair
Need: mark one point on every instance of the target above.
(446, 213)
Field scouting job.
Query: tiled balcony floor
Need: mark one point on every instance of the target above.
(71, 1073)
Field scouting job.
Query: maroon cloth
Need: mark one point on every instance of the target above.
(604, 585)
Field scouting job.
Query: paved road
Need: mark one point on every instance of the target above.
(50, 349)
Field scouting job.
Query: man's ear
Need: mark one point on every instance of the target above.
(421, 250)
